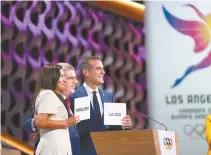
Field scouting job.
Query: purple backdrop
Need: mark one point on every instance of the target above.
(35, 33)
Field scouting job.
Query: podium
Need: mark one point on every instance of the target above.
(136, 142)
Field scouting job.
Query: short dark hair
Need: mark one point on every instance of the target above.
(47, 79)
(85, 63)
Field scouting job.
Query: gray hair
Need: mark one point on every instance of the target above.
(85, 63)
(66, 66)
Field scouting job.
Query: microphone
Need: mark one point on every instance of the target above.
(145, 124)
(147, 117)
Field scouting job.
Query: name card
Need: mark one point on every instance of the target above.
(82, 108)
(114, 113)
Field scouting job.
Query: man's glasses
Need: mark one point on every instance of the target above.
(71, 77)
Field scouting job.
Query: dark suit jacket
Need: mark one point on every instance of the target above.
(93, 124)
(74, 136)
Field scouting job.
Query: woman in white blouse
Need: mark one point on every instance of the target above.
(52, 118)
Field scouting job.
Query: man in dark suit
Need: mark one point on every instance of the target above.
(93, 72)
(71, 81)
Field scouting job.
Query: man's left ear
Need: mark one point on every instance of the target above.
(85, 72)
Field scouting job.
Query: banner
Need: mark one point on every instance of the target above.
(178, 44)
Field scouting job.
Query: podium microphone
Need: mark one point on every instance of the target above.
(147, 117)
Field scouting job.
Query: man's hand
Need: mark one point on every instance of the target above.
(34, 134)
(126, 122)
(34, 121)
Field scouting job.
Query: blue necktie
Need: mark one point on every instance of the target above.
(96, 105)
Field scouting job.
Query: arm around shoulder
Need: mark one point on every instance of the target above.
(28, 125)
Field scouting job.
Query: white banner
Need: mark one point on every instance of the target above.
(178, 47)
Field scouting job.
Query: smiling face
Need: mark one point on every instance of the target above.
(71, 81)
(94, 74)
(61, 82)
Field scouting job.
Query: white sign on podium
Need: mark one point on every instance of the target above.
(167, 142)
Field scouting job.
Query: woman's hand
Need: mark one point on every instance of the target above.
(72, 121)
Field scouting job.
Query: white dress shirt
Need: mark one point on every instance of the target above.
(90, 95)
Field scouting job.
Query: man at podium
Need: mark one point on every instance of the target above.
(93, 72)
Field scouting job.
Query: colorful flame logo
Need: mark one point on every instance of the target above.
(199, 31)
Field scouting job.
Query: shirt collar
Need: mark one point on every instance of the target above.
(63, 96)
(90, 90)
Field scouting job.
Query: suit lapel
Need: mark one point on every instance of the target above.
(82, 92)
(103, 98)
(69, 115)
(65, 105)
(102, 95)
